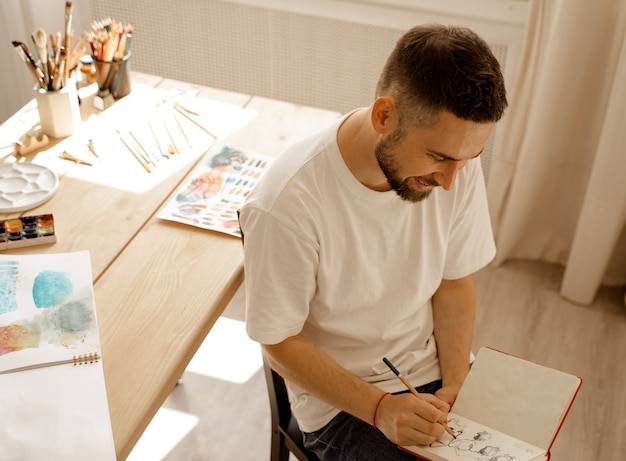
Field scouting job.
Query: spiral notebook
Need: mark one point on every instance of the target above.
(53, 401)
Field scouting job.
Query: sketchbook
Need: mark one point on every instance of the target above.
(508, 409)
(53, 401)
(216, 188)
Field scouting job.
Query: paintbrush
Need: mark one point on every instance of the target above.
(133, 151)
(180, 127)
(42, 49)
(59, 77)
(57, 47)
(187, 114)
(68, 37)
(22, 51)
(68, 18)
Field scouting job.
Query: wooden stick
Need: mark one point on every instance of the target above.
(182, 111)
(135, 154)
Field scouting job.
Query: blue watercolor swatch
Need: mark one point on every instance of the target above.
(51, 288)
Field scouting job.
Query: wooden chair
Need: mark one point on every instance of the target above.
(286, 435)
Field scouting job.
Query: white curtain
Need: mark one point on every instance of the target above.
(557, 184)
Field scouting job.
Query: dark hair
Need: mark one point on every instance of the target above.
(435, 67)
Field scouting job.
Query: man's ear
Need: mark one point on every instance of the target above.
(384, 117)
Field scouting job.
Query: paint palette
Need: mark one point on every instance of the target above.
(27, 231)
(25, 185)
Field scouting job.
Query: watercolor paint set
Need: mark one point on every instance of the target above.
(27, 231)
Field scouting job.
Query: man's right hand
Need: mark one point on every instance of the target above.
(408, 420)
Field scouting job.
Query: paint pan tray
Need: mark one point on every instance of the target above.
(25, 185)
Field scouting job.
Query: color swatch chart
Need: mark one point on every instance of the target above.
(216, 189)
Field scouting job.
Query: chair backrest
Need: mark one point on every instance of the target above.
(286, 435)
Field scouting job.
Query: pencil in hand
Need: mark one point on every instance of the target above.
(412, 390)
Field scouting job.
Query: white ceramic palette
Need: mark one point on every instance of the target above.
(25, 185)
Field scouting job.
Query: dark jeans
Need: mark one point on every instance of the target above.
(346, 438)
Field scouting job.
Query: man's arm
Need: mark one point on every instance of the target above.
(454, 307)
(404, 419)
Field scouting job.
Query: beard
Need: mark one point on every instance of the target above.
(390, 168)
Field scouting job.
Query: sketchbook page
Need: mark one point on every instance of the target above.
(520, 398)
(216, 188)
(56, 413)
(59, 411)
(47, 309)
(476, 442)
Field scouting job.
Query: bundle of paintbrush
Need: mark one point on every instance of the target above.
(56, 59)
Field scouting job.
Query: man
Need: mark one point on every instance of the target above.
(361, 242)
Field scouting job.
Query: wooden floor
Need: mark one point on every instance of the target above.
(522, 312)
(211, 418)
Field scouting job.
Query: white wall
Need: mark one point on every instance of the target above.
(321, 53)
(258, 46)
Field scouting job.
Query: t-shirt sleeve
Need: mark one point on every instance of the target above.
(280, 266)
(471, 244)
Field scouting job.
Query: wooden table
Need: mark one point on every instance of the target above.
(159, 285)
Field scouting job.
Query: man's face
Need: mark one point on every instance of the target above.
(416, 160)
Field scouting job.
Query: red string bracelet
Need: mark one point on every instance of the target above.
(377, 405)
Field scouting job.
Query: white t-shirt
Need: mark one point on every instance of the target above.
(353, 269)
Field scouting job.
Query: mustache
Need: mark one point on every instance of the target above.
(427, 181)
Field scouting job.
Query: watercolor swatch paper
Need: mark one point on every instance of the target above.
(59, 408)
(47, 310)
(216, 189)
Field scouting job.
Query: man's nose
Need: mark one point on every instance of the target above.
(447, 175)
